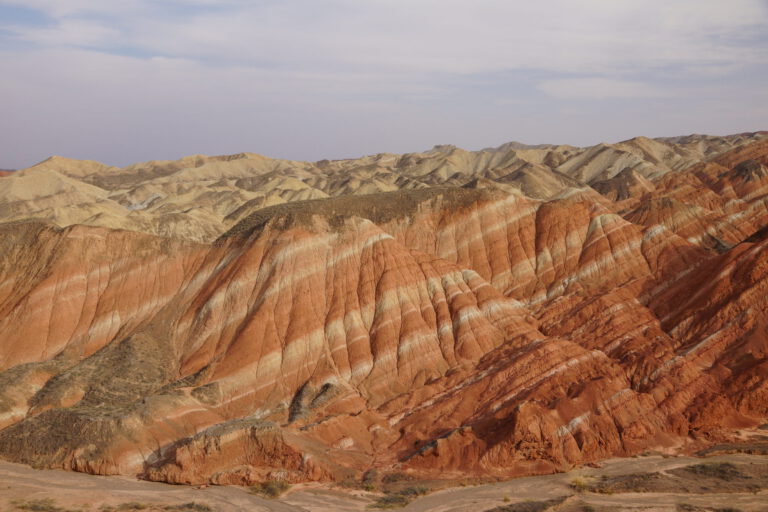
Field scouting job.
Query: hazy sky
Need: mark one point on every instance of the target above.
(135, 80)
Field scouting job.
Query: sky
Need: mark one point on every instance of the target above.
(122, 82)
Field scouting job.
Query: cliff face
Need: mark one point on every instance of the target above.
(441, 330)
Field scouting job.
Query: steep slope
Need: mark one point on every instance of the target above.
(307, 339)
(719, 314)
(714, 204)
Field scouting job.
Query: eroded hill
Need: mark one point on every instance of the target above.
(503, 312)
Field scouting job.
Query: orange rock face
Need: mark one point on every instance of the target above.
(441, 331)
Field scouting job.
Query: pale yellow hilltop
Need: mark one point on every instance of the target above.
(199, 197)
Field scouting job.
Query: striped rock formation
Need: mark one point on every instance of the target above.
(499, 328)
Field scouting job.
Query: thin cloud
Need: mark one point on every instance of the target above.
(306, 79)
(446, 36)
(601, 88)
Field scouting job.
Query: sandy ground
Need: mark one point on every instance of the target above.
(89, 492)
(483, 497)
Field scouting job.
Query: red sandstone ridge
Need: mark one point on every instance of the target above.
(488, 329)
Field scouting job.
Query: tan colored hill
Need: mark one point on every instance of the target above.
(170, 198)
(510, 311)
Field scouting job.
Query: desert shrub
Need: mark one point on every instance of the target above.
(390, 501)
(399, 498)
(635, 482)
(349, 483)
(270, 488)
(529, 506)
(579, 484)
(189, 507)
(722, 470)
(413, 491)
(397, 477)
(42, 505)
(370, 480)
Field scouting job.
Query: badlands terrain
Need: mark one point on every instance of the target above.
(519, 310)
